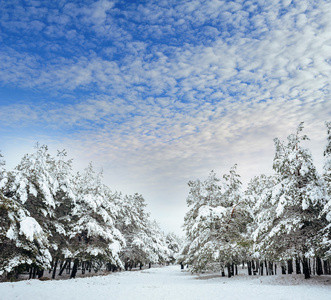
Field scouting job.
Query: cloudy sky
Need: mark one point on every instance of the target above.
(161, 92)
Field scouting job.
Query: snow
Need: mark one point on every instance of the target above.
(30, 228)
(171, 283)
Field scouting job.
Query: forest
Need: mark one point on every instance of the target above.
(279, 221)
(51, 218)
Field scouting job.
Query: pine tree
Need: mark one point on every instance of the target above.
(200, 223)
(174, 244)
(262, 210)
(23, 242)
(232, 231)
(216, 223)
(64, 199)
(298, 199)
(92, 230)
(33, 185)
(159, 251)
(326, 214)
(327, 159)
(135, 225)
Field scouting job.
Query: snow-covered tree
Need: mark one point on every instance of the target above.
(200, 223)
(23, 241)
(145, 243)
(64, 200)
(258, 198)
(160, 253)
(92, 228)
(262, 211)
(215, 223)
(33, 185)
(326, 214)
(233, 229)
(175, 244)
(327, 158)
(297, 199)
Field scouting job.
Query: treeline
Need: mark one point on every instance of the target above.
(279, 220)
(51, 219)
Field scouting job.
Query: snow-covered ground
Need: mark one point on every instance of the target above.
(171, 283)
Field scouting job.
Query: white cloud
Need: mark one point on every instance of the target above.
(158, 100)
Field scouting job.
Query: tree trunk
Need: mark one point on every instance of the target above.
(40, 273)
(326, 268)
(266, 267)
(297, 266)
(271, 271)
(30, 273)
(61, 264)
(54, 267)
(289, 266)
(68, 267)
(319, 268)
(305, 268)
(222, 270)
(51, 268)
(229, 270)
(257, 267)
(63, 267)
(84, 264)
(236, 270)
(74, 268)
(249, 267)
(261, 268)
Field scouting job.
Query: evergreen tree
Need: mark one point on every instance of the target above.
(326, 214)
(158, 248)
(258, 198)
(232, 231)
(135, 225)
(92, 230)
(298, 199)
(174, 244)
(201, 223)
(23, 242)
(216, 223)
(327, 158)
(33, 186)
(64, 200)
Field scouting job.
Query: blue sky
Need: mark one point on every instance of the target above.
(158, 93)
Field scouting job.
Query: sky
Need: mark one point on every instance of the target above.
(157, 93)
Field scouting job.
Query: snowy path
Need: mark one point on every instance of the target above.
(170, 283)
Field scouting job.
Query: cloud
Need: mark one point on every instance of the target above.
(161, 93)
